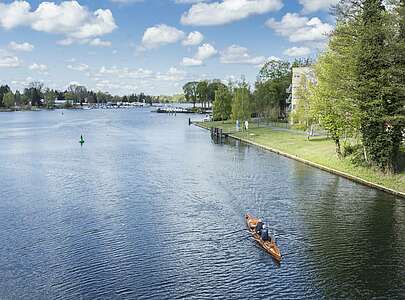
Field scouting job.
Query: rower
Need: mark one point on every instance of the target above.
(265, 234)
(259, 226)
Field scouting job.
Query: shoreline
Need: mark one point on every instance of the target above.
(316, 165)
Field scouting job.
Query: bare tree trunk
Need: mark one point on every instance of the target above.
(338, 151)
(365, 154)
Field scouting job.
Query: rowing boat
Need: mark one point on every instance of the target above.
(269, 246)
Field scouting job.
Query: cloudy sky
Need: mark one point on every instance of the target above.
(154, 46)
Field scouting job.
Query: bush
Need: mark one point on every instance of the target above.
(301, 127)
(357, 155)
(348, 149)
(67, 105)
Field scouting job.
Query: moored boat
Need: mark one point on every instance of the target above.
(268, 245)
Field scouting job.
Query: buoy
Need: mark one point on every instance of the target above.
(81, 140)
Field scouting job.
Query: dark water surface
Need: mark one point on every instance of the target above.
(142, 211)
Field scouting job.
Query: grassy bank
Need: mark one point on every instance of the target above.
(318, 150)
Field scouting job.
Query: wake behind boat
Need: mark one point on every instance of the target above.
(261, 234)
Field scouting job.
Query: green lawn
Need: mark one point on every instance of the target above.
(319, 150)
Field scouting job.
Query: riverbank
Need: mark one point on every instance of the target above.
(318, 152)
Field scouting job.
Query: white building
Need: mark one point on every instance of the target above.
(299, 77)
(62, 103)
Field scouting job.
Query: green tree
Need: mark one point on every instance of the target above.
(34, 93)
(49, 97)
(102, 97)
(213, 87)
(4, 89)
(381, 117)
(274, 69)
(9, 100)
(202, 92)
(92, 97)
(18, 98)
(304, 111)
(78, 92)
(69, 96)
(271, 89)
(190, 92)
(241, 103)
(331, 100)
(222, 106)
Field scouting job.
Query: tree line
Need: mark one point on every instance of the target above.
(202, 92)
(359, 94)
(36, 94)
(238, 101)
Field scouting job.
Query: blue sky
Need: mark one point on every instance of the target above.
(153, 46)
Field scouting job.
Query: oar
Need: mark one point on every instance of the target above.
(236, 231)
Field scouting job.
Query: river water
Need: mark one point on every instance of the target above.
(147, 207)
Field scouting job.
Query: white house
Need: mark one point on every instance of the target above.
(299, 77)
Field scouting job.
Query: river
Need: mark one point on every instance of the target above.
(146, 210)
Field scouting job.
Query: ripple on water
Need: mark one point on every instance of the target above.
(149, 209)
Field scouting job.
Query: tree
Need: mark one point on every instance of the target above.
(202, 92)
(91, 97)
(271, 89)
(269, 98)
(330, 101)
(78, 92)
(102, 97)
(133, 98)
(18, 98)
(190, 92)
(381, 117)
(4, 89)
(241, 104)
(274, 69)
(34, 93)
(304, 111)
(142, 98)
(49, 97)
(222, 106)
(213, 87)
(9, 100)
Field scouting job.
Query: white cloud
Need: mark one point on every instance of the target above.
(315, 5)
(126, 1)
(125, 72)
(297, 51)
(227, 11)
(126, 80)
(14, 14)
(68, 18)
(26, 47)
(23, 83)
(66, 42)
(194, 38)
(300, 29)
(160, 35)
(204, 52)
(38, 67)
(240, 55)
(8, 60)
(189, 1)
(191, 62)
(173, 74)
(78, 67)
(97, 42)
